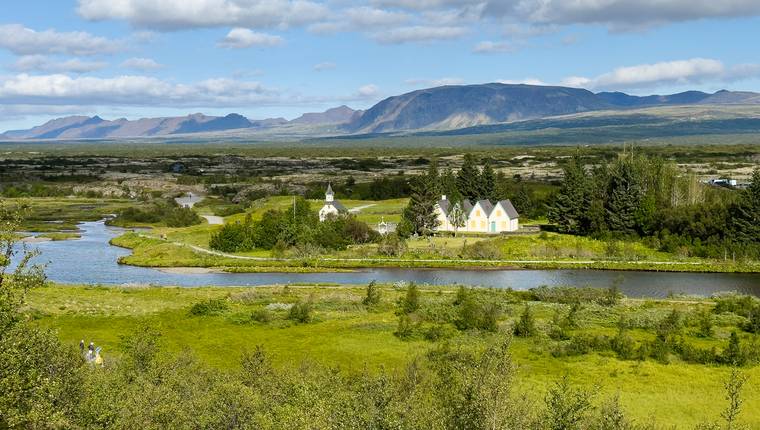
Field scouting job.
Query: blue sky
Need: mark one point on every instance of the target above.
(271, 58)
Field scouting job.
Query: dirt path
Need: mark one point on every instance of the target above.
(360, 208)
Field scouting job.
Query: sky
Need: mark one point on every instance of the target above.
(281, 58)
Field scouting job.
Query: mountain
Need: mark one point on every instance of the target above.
(460, 106)
(83, 127)
(338, 115)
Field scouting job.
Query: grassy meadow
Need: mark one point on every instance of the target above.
(351, 337)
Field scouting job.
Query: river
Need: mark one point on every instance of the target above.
(91, 260)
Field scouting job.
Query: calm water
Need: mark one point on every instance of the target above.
(92, 260)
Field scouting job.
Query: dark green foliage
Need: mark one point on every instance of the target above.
(570, 208)
(373, 295)
(468, 179)
(733, 354)
(567, 408)
(625, 194)
(406, 327)
(301, 312)
(158, 211)
(704, 324)
(210, 307)
(571, 295)
(410, 303)
(526, 325)
(298, 226)
(419, 216)
(476, 314)
(488, 181)
(745, 214)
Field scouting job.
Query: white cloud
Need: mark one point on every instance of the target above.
(434, 82)
(41, 63)
(365, 16)
(137, 63)
(620, 14)
(368, 91)
(239, 38)
(324, 66)
(695, 70)
(169, 15)
(25, 41)
(60, 89)
(526, 81)
(419, 34)
(489, 47)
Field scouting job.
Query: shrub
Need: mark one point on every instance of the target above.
(391, 245)
(373, 295)
(182, 217)
(262, 315)
(210, 307)
(405, 327)
(438, 332)
(526, 325)
(483, 250)
(472, 314)
(301, 312)
(411, 301)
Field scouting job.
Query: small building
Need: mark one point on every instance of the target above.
(481, 217)
(331, 207)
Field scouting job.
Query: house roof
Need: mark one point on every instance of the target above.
(467, 205)
(444, 205)
(509, 209)
(486, 205)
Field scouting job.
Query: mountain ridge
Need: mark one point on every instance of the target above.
(449, 107)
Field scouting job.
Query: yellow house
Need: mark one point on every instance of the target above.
(481, 217)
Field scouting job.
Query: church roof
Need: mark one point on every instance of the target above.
(329, 189)
(338, 205)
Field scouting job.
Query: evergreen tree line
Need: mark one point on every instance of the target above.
(471, 182)
(299, 226)
(639, 196)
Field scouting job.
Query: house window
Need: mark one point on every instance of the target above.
(482, 224)
(498, 213)
(472, 224)
(503, 225)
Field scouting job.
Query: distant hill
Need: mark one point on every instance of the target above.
(83, 127)
(338, 115)
(460, 106)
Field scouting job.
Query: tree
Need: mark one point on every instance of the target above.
(733, 387)
(419, 215)
(373, 295)
(745, 214)
(624, 196)
(448, 185)
(526, 326)
(567, 408)
(410, 303)
(468, 179)
(488, 181)
(457, 216)
(570, 208)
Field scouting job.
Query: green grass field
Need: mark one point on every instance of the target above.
(345, 334)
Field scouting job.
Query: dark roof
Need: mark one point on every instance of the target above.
(509, 208)
(329, 189)
(338, 205)
(444, 205)
(487, 206)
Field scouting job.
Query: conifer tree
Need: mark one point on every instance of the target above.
(745, 214)
(468, 179)
(570, 207)
(488, 181)
(624, 197)
(419, 215)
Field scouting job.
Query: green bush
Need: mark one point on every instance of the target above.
(210, 307)
(410, 303)
(301, 312)
(262, 315)
(526, 325)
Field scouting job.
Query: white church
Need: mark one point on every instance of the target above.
(332, 207)
(481, 217)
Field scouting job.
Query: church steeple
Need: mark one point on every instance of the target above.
(329, 195)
